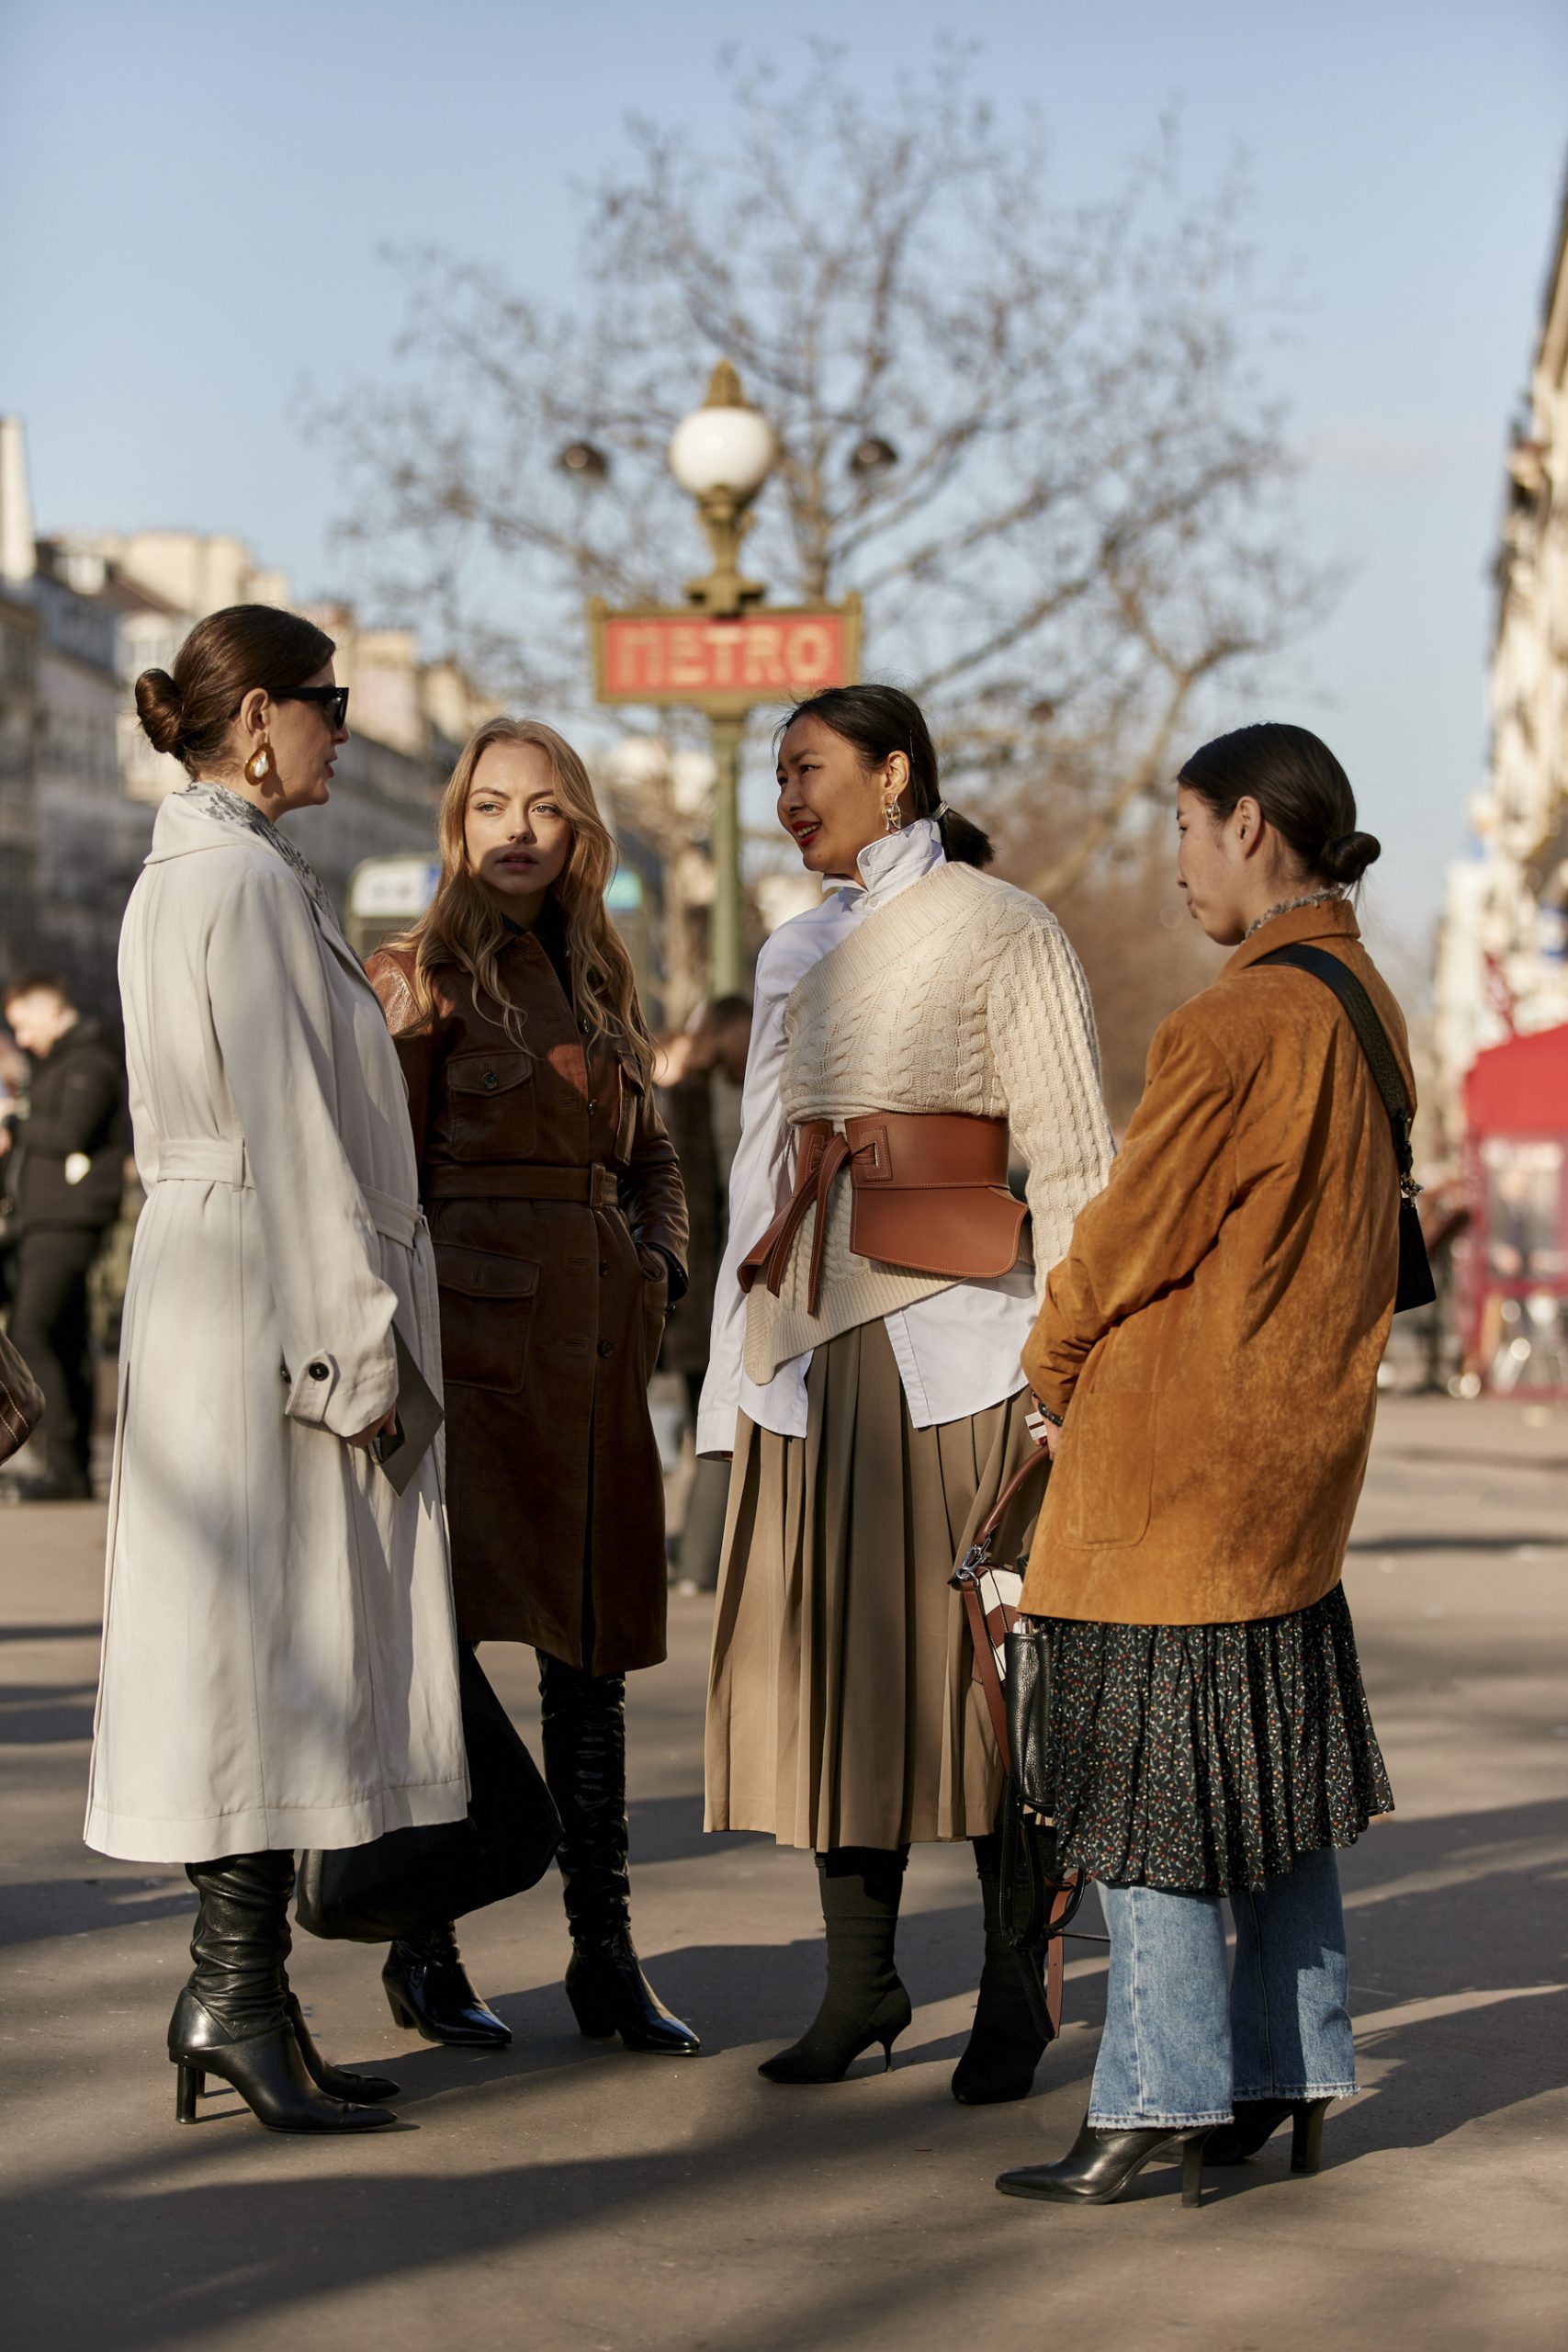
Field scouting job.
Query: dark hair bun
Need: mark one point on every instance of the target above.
(159, 707)
(1346, 858)
(963, 843)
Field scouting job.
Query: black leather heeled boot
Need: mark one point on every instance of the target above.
(1100, 2164)
(583, 1717)
(428, 1990)
(1258, 2119)
(1005, 2045)
(233, 2018)
(864, 2002)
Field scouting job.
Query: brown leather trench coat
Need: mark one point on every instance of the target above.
(551, 1311)
(1212, 1335)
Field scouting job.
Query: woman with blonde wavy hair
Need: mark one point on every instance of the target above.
(560, 1227)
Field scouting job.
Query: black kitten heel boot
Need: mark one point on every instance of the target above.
(1005, 2045)
(233, 2019)
(428, 1992)
(865, 2004)
(1101, 2164)
(1256, 2120)
(584, 1718)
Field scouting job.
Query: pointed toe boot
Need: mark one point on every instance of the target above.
(1101, 2164)
(584, 1722)
(235, 2019)
(428, 1992)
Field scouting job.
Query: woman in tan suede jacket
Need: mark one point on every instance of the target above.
(1207, 1358)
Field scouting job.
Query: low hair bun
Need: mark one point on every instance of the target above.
(161, 709)
(1347, 857)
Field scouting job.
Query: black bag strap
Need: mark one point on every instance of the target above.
(1374, 1043)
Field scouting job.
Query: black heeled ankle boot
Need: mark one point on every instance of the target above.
(583, 1719)
(864, 2002)
(233, 2019)
(1099, 2165)
(1257, 2119)
(428, 1991)
(1005, 2045)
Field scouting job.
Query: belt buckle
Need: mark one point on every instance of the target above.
(602, 1192)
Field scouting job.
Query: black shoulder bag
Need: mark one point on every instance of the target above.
(1415, 1286)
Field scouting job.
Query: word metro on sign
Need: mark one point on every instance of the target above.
(704, 658)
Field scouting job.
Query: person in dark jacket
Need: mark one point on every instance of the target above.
(559, 1230)
(66, 1183)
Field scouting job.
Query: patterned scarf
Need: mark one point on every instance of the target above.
(1289, 907)
(227, 808)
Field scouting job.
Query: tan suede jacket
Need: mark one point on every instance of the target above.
(1213, 1334)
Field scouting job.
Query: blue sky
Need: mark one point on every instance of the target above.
(194, 197)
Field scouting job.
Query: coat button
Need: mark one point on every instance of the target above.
(318, 1372)
(606, 1348)
(592, 1107)
(604, 1265)
(490, 1081)
(586, 1027)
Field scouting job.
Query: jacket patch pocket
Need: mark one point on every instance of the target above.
(1109, 1452)
(487, 1316)
(487, 1106)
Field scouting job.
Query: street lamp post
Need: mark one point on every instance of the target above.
(721, 455)
(726, 650)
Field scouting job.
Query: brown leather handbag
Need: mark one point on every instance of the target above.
(22, 1401)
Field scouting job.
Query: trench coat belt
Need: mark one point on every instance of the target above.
(595, 1186)
(929, 1193)
(220, 1159)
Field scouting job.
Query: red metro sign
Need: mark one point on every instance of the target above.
(724, 664)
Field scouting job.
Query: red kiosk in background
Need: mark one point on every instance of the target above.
(1514, 1278)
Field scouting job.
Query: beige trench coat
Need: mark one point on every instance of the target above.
(279, 1664)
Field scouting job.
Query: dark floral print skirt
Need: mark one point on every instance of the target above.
(1203, 1757)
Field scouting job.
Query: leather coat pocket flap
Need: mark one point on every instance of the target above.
(484, 1073)
(484, 1273)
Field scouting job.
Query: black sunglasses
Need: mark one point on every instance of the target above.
(331, 701)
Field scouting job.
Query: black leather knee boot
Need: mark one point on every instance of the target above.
(234, 2018)
(865, 2001)
(585, 1722)
(1005, 2045)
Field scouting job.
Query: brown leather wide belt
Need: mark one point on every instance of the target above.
(594, 1187)
(929, 1194)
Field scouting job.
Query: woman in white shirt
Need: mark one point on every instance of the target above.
(922, 1028)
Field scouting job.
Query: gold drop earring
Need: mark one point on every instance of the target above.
(894, 816)
(258, 767)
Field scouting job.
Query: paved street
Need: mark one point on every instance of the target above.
(570, 2195)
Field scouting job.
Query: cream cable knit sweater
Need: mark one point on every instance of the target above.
(961, 994)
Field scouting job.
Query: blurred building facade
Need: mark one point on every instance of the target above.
(1503, 948)
(82, 615)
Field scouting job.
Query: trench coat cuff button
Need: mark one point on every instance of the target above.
(606, 1348)
(320, 1371)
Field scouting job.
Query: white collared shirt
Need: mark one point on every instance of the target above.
(958, 1351)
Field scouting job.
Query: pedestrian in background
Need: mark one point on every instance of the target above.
(560, 1232)
(1209, 1346)
(697, 1064)
(65, 1181)
(279, 1665)
(867, 1376)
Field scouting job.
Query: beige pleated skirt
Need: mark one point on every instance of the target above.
(841, 1705)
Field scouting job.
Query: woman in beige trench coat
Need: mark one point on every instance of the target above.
(279, 1665)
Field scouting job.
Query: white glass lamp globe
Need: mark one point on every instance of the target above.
(722, 448)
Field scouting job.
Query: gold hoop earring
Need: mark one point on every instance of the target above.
(258, 767)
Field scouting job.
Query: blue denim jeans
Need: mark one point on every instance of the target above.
(1181, 2044)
